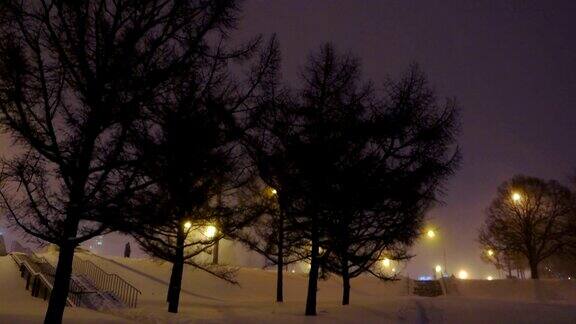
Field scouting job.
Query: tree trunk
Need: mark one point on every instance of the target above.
(57, 303)
(177, 271)
(172, 278)
(345, 284)
(313, 276)
(280, 278)
(215, 251)
(533, 269)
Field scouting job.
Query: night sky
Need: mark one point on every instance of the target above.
(510, 64)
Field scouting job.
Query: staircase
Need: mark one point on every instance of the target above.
(90, 286)
(117, 291)
(427, 288)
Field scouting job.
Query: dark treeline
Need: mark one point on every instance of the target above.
(354, 168)
(128, 117)
(531, 223)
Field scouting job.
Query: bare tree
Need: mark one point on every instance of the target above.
(271, 236)
(180, 237)
(386, 174)
(354, 172)
(190, 147)
(75, 77)
(505, 261)
(531, 217)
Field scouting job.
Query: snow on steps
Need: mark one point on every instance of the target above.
(83, 289)
(17, 306)
(427, 288)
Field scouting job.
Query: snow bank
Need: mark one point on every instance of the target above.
(205, 299)
(543, 290)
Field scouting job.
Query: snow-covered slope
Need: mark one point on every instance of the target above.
(205, 299)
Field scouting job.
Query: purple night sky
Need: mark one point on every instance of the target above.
(511, 65)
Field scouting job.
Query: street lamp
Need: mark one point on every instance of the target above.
(516, 197)
(210, 231)
(490, 252)
(431, 234)
(438, 268)
(489, 278)
(386, 263)
(463, 274)
(187, 225)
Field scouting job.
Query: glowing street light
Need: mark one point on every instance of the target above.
(438, 268)
(274, 191)
(490, 252)
(431, 234)
(187, 225)
(386, 263)
(210, 231)
(463, 274)
(489, 278)
(516, 197)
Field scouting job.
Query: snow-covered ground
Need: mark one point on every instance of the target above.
(205, 299)
(18, 306)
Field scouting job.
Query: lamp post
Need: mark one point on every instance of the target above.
(210, 232)
(431, 234)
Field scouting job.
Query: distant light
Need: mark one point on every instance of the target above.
(516, 197)
(489, 278)
(386, 263)
(187, 225)
(438, 268)
(431, 234)
(463, 274)
(424, 278)
(569, 278)
(210, 231)
(393, 269)
(293, 271)
(273, 191)
(490, 252)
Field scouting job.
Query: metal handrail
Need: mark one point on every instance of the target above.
(108, 282)
(39, 280)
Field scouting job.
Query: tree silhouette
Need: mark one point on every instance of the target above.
(530, 217)
(190, 149)
(271, 236)
(75, 77)
(354, 172)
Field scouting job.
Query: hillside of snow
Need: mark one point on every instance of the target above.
(205, 299)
